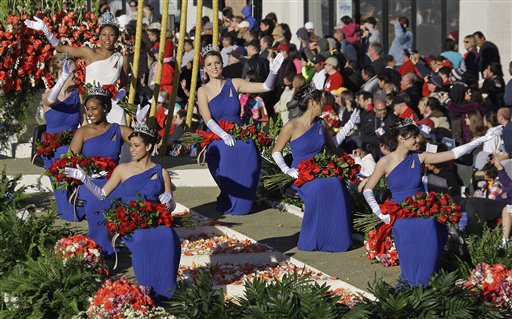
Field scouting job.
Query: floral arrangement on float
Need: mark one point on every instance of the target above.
(83, 248)
(122, 299)
(322, 165)
(96, 167)
(331, 120)
(51, 142)
(205, 244)
(244, 132)
(124, 218)
(492, 284)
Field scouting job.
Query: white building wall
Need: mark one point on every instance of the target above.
(492, 18)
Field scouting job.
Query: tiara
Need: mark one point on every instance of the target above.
(144, 128)
(108, 18)
(309, 91)
(209, 48)
(405, 122)
(140, 118)
(98, 90)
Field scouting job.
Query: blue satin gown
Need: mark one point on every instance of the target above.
(62, 117)
(419, 241)
(327, 223)
(236, 170)
(108, 145)
(156, 251)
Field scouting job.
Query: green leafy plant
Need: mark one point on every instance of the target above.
(10, 193)
(294, 296)
(26, 239)
(442, 299)
(484, 247)
(45, 288)
(199, 299)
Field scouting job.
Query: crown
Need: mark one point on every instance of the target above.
(142, 127)
(108, 18)
(209, 48)
(98, 90)
(309, 91)
(405, 122)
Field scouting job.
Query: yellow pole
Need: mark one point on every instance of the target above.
(163, 37)
(176, 79)
(215, 8)
(195, 65)
(136, 57)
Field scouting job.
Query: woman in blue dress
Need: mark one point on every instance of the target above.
(234, 165)
(98, 138)
(156, 251)
(327, 224)
(419, 241)
(62, 112)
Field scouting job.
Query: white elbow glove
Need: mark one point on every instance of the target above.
(370, 199)
(274, 66)
(53, 94)
(79, 174)
(167, 199)
(468, 147)
(279, 159)
(215, 128)
(345, 130)
(41, 26)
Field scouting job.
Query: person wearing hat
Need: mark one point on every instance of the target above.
(335, 79)
(247, 14)
(434, 84)
(310, 28)
(208, 28)
(255, 62)
(242, 29)
(320, 73)
(400, 107)
(234, 69)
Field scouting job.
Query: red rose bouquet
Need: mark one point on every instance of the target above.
(83, 248)
(240, 132)
(331, 120)
(427, 205)
(50, 142)
(122, 299)
(124, 218)
(321, 165)
(493, 284)
(384, 252)
(96, 167)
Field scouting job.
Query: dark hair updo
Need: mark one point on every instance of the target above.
(105, 101)
(399, 129)
(305, 94)
(146, 139)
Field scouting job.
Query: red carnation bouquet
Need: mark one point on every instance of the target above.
(124, 218)
(492, 283)
(427, 205)
(96, 167)
(322, 165)
(122, 299)
(385, 252)
(83, 248)
(240, 132)
(51, 142)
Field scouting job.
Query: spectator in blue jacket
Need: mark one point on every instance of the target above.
(247, 13)
(403, 40)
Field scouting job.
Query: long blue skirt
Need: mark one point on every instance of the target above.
(236, 170)
(156, 256)
(420, 245)
(327, 222)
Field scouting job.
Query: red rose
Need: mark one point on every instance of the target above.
(442, 219)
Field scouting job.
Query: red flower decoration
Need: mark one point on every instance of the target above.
(323, 165)
(50, 142)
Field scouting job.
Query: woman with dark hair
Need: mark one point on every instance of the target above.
(419, 241)
(104, 65)
(235, 165)
(327, 225)
(155, 251)
(403, 39)
(458, 106)
(62, 112)
(98, 138)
